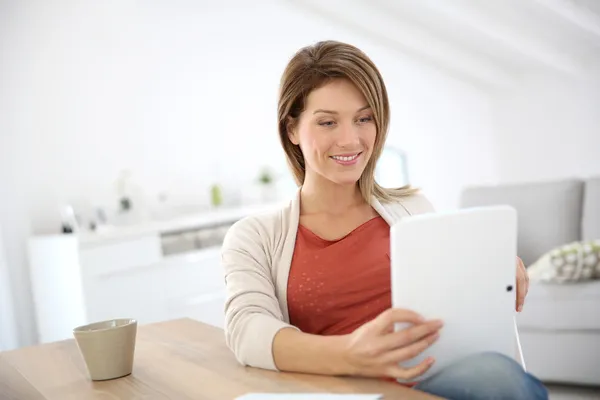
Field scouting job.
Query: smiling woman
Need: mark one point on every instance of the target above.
(337, 144)
(336, 111)
(308, 285)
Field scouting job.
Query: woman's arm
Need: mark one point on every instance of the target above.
(372, 350)
(252, 313)
(295, 351)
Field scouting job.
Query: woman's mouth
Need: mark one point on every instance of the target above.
(346, 159)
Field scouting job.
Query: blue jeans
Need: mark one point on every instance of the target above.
(484, 376)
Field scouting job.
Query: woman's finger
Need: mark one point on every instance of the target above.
(396, 371)
(521, 285)
(409, 335)
(409, 352)
(391, 316)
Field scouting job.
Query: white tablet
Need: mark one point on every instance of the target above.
(458, 266)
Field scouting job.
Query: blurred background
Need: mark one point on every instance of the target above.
(151, 116)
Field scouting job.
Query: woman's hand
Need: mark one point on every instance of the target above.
(522, 284)
(375, 349)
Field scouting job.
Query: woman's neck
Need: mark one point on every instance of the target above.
(328, 197)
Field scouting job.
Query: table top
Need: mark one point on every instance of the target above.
(179, 359)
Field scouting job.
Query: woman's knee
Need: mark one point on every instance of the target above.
(489, 365)
(485, 376)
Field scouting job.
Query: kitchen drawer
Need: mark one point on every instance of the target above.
(108, 258)
(208, 308)
(194, 273)
(134, 293)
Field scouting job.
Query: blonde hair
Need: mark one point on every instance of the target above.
(311, 68)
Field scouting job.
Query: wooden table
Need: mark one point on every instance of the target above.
(180, 359)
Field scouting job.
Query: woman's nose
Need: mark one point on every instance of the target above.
(348, 136)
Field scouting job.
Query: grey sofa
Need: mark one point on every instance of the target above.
(560, 324)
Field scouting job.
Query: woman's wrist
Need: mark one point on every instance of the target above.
(295, 351)
(337, 351)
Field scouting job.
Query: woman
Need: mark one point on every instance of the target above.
(308, 286)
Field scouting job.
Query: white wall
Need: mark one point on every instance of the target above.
(8, 338)
(445, 126)
(183, 93)
(548, 127)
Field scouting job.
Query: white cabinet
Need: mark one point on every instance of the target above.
(208, 308)
(58, 293)
(136, 293)
(195, 286)
(75, 284)
(123, 279)
(129, 273)
(108, 257)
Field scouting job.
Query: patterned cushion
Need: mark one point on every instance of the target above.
(573, 262)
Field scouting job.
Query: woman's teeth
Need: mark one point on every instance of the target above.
(345, 158)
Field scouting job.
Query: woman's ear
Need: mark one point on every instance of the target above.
(292, 131)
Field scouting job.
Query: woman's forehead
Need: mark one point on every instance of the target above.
(338, 96)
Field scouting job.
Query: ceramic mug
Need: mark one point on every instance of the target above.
(107, 347)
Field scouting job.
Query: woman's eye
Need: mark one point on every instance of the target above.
(326, 123)
(365, 120)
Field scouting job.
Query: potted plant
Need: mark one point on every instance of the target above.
(216, 195)
(266, 182)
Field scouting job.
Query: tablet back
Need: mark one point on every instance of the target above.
(458, 266)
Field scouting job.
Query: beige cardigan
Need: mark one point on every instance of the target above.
(256, 257)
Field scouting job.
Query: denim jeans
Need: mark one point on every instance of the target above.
(486, 376)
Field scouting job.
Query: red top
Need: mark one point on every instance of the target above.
(334, 287)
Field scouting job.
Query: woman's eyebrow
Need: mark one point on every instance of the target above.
(320, 110)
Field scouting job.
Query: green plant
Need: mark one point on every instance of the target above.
(216, 195)
(265, 177)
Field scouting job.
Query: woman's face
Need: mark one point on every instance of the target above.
(336, 133)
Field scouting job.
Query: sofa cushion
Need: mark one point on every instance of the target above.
(566, 307)
(573, 262)
(591, 210)
(549, 213)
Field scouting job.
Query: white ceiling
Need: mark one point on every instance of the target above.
(491, 42)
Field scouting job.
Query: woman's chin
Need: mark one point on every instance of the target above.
(344, 179)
